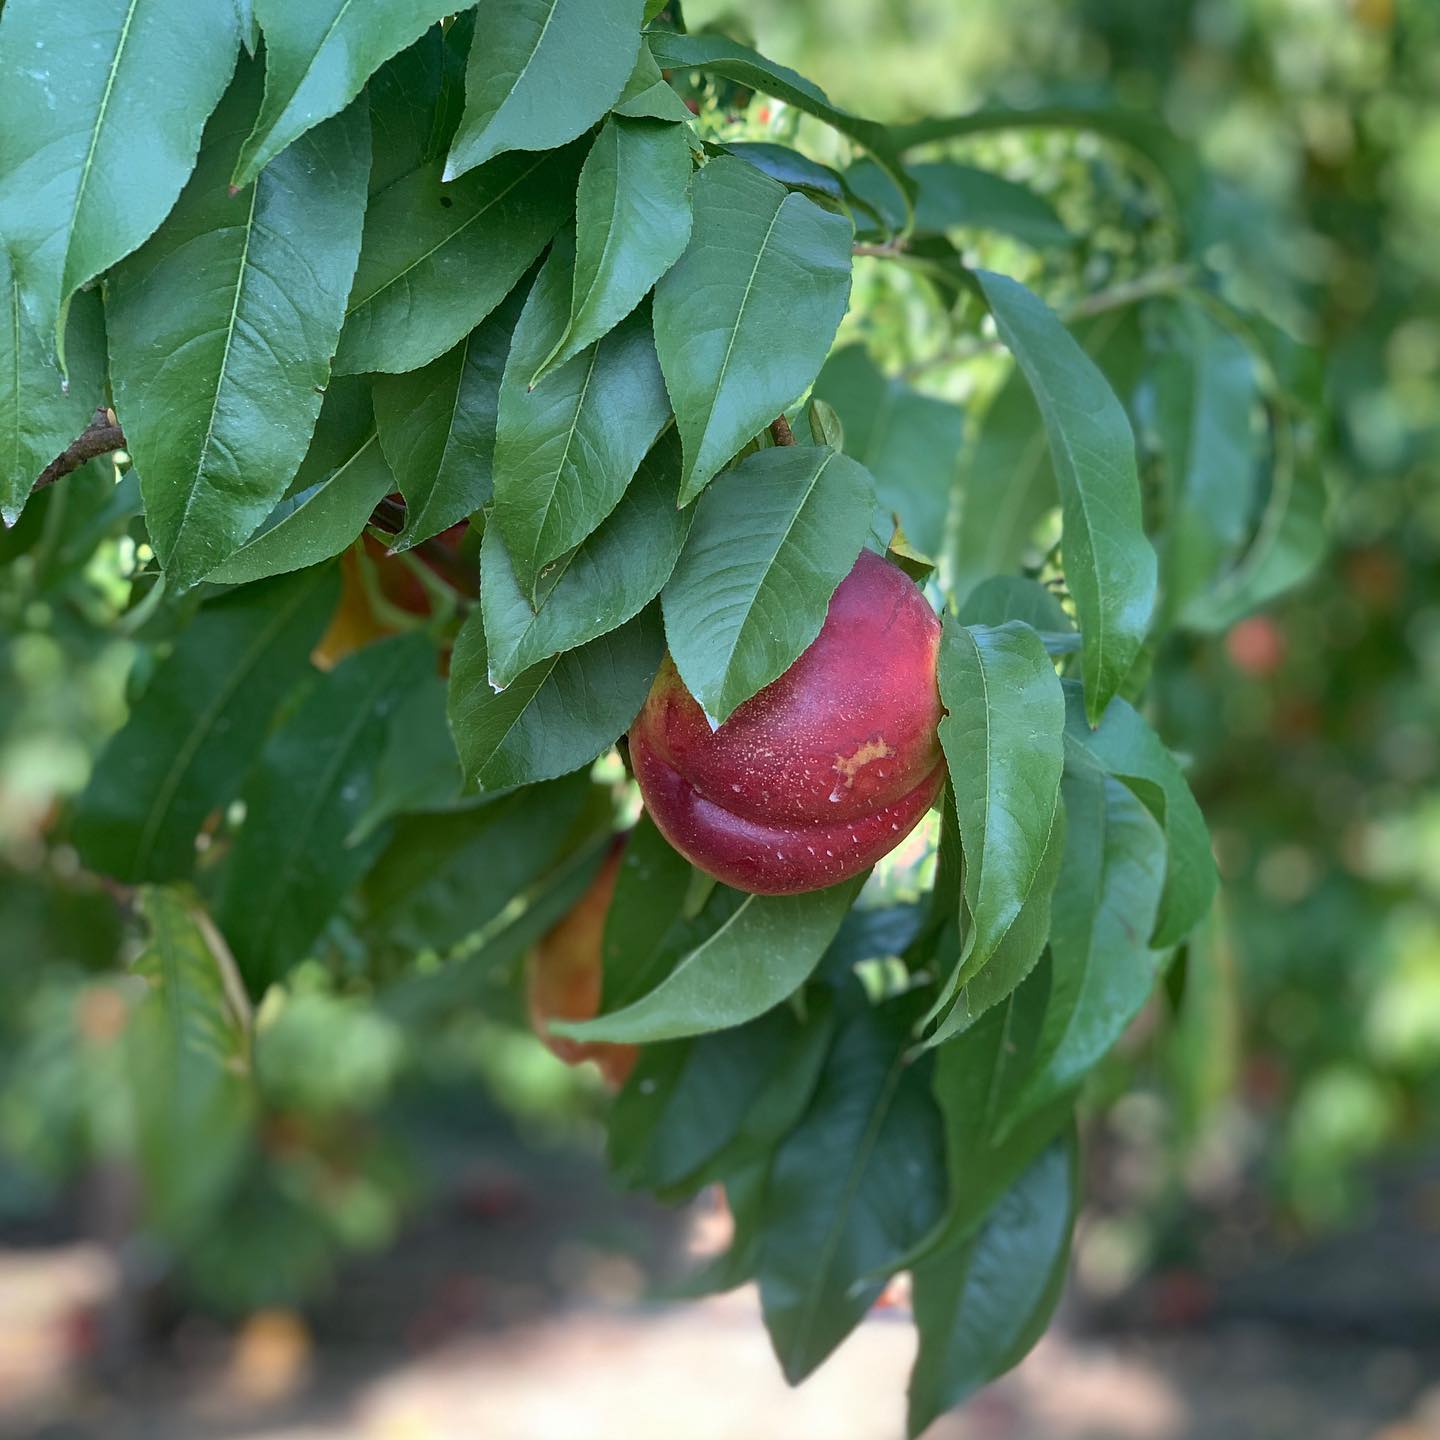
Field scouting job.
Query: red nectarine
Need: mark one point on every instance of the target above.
(821, 773)
(564, 973)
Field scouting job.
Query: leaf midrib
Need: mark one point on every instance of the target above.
(242, 270)
(735, 330)
(101, 114)
(520, 74)
(295, 89)
(781, 540)
(494, 200)
(559, 469)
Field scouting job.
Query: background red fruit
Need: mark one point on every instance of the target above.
(822, 772)
(1256, 646)
(564, 974)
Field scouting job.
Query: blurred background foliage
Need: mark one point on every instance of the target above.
(1302, 1042)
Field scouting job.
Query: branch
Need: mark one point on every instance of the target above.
(389, 515)
(889, 248)
(780, 431)
(101, 436)
(1166, 281)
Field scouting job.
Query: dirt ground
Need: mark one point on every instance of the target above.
(519, 1309)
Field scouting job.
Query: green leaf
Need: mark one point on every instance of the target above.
(314, 524)
(982, 1305)
(39, 413)
(437, 258)
(1103, 912)
(951, 196)
(1019, 948)
(974, 1074)
(317, 56)
(909, 441)
(64, 524)
(646, 94)
(651, 890)
(744, 319)
(771, 541)
(546, 72)
(1109, 563)
(1206, 398)
(186, 1054)
(78, 110)
(1013, 597)
(293, 862)
(443, 877)
(221, 330)
(1126, 747)
(201, 1022)
(744, 1197)
(792, 169)
(339, 483)
(249, 29)
(1290, 543)
(632, 220)
(1174, 162)
(715, 1086)
(415, 101)
(484, 973)
(763, 953)
(1006, 486)
(661, 911)
(418, 769)
(201, 721)
(1003, 741)
(556, 716)
(719, 56)
(853, 1187)
(606, 581)
(1202, 1051)
(437, 427)
(565, 452)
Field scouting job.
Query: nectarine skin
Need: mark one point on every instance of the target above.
(821, 773)
(564, 974)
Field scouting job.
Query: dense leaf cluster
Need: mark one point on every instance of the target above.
(494, 264)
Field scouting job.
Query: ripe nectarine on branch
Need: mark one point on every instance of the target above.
(821, 773)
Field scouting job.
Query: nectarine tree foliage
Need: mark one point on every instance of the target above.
(460, 391)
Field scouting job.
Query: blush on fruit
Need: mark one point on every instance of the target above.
(563, 977)
(825, 770)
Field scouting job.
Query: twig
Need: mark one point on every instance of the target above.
(1129, 292)
(780, 431)
(236, 995)
(1166, 281)
(103, 436)
(889, 248)
(389, 515)
(100, 437)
